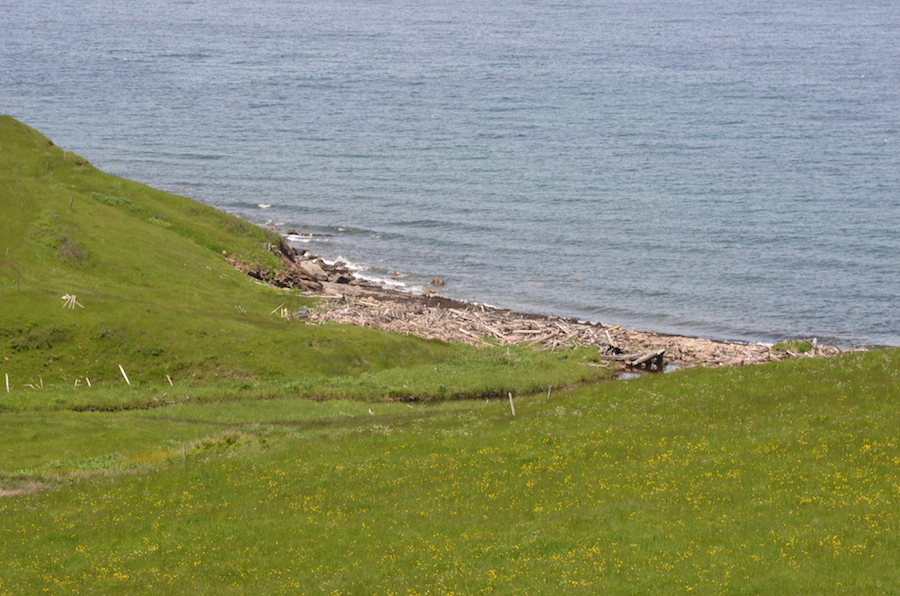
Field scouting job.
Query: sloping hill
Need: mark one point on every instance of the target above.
(154, 294)
(153, 290)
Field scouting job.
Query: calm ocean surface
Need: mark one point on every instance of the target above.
(724, 169)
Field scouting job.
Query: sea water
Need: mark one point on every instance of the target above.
(713, 168)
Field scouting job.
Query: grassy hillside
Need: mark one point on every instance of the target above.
(159, 299)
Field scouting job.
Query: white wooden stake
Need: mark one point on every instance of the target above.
(124, 375)
(70, 302)
(511, 406)
(88, 381)
(171, 384)
(7, 382)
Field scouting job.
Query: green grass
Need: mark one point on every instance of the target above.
(287, 458)
(464, 373)
(798, 346)
(776, 479)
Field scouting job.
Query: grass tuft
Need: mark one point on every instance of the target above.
(798, 346)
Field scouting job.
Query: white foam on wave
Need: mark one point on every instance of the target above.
(487, 305)
(350, 265)
(385, 282)
(361, 272)
(300, 239)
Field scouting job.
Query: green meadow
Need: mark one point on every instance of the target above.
(288, 458)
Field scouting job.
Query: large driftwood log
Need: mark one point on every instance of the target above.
(651, 360)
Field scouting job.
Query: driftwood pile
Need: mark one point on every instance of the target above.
(346, 299)
(434, 317)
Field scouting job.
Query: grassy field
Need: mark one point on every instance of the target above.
(287, 458)
(777, 479)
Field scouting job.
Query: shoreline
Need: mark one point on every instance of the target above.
(345, 297)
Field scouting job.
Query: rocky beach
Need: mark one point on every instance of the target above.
(346, 298)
